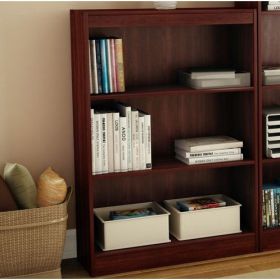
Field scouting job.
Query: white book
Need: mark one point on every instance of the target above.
(273, 129)
(274, 2)
(225, 152)
(271, 71)
(94, 67)
(273, 144)
(273, 153)
(271, 80)
(142, 150)
(110, 74)
(116, 129)
(93, 160)
(123, 141)
(125, 111)
(211, 74)
(90, 67)
(110, 141)
(202, 144)
(104, 143)
(135, 139)
(273, 7)
(213, 159)
(273, 137)
(98, 132)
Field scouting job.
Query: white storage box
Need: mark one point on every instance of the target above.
(133, 232)
(271, 80)
(204, 222)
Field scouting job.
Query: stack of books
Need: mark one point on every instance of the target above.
(272, 131)
(208, 149)
(271, 205)
(121, 140)
(205, 202)
(200, 78)
(271, 75)
(106, 66)
(273, 5)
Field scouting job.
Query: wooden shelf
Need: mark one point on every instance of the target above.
(269, 87)
(170, 165)
(168, 90)
(174, 252)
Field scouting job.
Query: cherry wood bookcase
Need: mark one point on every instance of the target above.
(156, 45)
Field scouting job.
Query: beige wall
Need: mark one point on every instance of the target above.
(35, 83)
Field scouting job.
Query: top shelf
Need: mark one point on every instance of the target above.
(153, 17)
(168, 90)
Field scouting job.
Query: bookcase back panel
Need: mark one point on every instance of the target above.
(271, 172)
(271, 97)
(270, 40)
(153, 55)
(196, 115)
(236, 182)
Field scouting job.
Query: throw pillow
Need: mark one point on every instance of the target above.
(7, 202)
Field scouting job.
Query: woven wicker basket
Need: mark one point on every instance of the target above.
(32, 240)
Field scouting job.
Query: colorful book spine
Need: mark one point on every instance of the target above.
(109, 65)
(105, 81)
(94, 67)
(98, 66)
(90, 72)
(113, 63)
(120, 65)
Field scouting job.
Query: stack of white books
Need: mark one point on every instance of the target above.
(271, 75)
(202, 78)
(272, 132)
(121, 140)
(208, 149)
(273, 5)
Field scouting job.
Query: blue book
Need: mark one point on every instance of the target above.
(98, 66)
(105, 80)
(108, 60)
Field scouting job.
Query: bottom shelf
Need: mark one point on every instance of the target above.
(172, 253)
(270, 239)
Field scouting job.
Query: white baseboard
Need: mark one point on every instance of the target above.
(70, 248)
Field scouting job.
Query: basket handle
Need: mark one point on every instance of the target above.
(35, 224)
(68, 195)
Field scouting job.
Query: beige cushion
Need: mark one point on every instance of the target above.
(21, 185)
(52, 188)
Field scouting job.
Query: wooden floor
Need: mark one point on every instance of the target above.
(262, 262)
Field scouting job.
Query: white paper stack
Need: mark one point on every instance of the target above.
(271, 75)
(208, 149)
(272, 132)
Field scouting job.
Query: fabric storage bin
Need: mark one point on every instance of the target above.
(204, 222)
(32, 240)
(132, 232)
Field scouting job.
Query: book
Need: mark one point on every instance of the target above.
(134, 213)
(92, 141)
(119, 65)
(125, 111)
(104, 143)
(224, 152)
(105, 80)
(200, 203)
(273, 7)
(90, 67)
(211, 143)
(110, 141)
(271, 71)
(241, 79)
(109, 65)
(98, 66)
(123, 145)
(211, 73)
(142, 149)
(113, 65)
(116, 133)
(213, 159)
(97, 150)
(93, 67)
(135, 139)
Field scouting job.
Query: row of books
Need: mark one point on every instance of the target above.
(208, 149)
(273, 5)
(121, 140)
(272, 131)
(106, 66)
(271, 205)
(271, 75)
(199, 78)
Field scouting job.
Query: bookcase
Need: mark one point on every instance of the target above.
(157, 44)
(269, 44)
